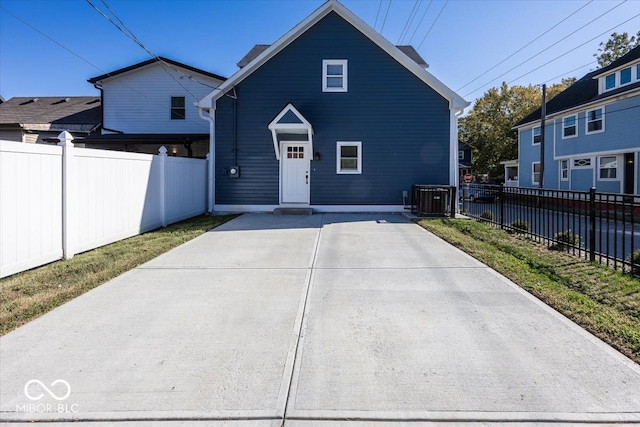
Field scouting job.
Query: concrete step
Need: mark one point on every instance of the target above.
(293, 211)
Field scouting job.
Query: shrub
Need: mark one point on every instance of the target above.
(566, 240)
(488, 215)
(635, 261)
(520, 225)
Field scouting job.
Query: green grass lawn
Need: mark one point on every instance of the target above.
(601, 300)
(32, 293)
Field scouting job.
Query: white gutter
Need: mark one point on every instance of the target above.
(211, 177)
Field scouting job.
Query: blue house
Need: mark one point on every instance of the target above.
(331, 117)
(592, 133)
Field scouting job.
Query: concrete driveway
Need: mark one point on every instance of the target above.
(329, 319)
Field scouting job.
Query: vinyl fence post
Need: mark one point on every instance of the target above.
(592, 224)
(163, 188)
(501, 195)
(69, 195)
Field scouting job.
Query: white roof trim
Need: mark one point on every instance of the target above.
(290, 128)
(456, 102)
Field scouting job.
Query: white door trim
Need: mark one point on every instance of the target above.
(307, 158)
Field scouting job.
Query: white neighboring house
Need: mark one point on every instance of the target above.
(150, 104)
(41, 119)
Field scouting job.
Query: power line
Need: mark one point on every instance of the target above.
(571, 71)
(560, 56)
(525, 46)
(409, 20)
(550, 46)
(377, 14)
(434, 23)
(385, 16)
(420, 22)
(89, 62)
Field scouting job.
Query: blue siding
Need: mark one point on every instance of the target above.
(402, 123)
(581, 179)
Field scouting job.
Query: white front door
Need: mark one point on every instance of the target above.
(294, 182)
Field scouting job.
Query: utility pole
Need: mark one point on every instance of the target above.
(543, 116)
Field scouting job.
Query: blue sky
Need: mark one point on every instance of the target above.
(468, 37)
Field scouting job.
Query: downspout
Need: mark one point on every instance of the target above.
(211, 179)
(99, 87)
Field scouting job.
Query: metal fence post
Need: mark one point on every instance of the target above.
(454, 201)
(501, 195)
(592, 224)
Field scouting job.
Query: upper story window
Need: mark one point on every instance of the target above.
(595, 121)
(620, 78)
(178, 111)
(570, 126)
(537, 135)
(334, 75)
(625, 76)
(349, 158)
(610, 81)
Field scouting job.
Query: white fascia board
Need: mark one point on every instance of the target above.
(456, 102)
(618, 68)
(582, 107)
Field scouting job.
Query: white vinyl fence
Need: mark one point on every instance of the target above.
(56, 201)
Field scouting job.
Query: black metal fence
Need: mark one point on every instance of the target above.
(601, 227)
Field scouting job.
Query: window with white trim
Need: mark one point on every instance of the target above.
(608, 167)
(537, 135)
(349, 157)
(178, 108)
(582, 163)
(334, 75)
(625, 76)
(638, 72)
(595, 121)
(570, 126)
(564, 170)
(460, 155)
(610, 81)
(535, 175)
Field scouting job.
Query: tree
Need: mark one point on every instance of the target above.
(488, 126)
(617, 46)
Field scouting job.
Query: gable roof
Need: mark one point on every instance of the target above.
(78, 112)
(455, 100)
(153, 61)
(585, 90)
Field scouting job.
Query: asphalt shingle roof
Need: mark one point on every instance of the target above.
(79, 110)
(152, 61)
(584, 90)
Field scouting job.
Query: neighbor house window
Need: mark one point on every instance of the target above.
(349, 157)
(638, 72)
(334, 75)
(564, 170)
(582, 163)
(610, 81)
(537, 135)
(177, 108)
(595, 121)
(608, 167)
(625, 76)
(570, 126)
(535, 177)
(460, 155)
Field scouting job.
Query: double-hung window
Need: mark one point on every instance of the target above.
(625, 76)
(608, 167)
(349, 157)
(570, 126)
(537, 135)
(177, 108)
(610, 81)
(595, 121)
(564, 170)
(334, 75)
(535, 177)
